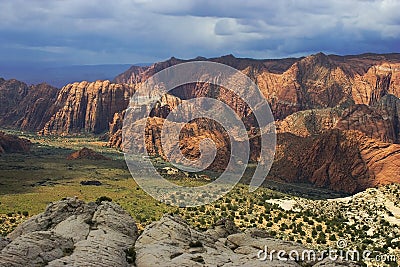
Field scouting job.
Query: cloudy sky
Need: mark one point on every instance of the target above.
(132, 31)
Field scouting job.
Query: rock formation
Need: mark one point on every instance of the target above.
(308, 96)
(291, 85)
(86, 153)
(379, 123)
(25, 107)
(73, 233)
(13, 144)
(87, 107)
(344, 161)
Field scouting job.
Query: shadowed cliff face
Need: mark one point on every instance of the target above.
(344, 161)
(25, 107)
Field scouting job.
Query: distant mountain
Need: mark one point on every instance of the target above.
(63, 75)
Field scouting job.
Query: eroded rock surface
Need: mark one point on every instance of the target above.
(72, 233)
(172, 242)
(25, 107)
(87, 107)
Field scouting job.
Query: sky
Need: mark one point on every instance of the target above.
(144, 31)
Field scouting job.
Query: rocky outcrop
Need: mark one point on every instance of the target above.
(378, 81)
(87, 107)
(115, 130)
(370, 121)
(133, 75)
(389, 106)
(310, 97)
(25, 107)
(13, 144)
(375, 122)
(172, 242)
(190, 137)
(291, 85)
(310, 122)
(73, 233)
(86, 153)
(344, 161)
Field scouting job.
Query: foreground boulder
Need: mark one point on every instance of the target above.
(73, 233)
(172, 242)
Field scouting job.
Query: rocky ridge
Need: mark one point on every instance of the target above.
(25, 107)
(73, 233)
(344, 161)
(308, 96)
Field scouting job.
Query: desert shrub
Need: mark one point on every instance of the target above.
(130, 255)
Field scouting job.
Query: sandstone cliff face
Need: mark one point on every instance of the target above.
(310, 122)
(378, 122)
(133, 75)
(87, 107)
(389, 106)
(313, 82)
(377, 82)
(369, 121)
(309, 97)
(320, 99)
(291, 85)
(11, 93)
(189, 140)
(25, 107)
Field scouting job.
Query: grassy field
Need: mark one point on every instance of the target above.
(29, 182)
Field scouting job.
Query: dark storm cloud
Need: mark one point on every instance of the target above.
(126, 31)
